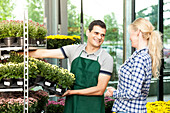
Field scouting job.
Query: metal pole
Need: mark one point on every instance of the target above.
(81, 21)
(133, 18)
(59, 17)
(160, 27)
(59, 26)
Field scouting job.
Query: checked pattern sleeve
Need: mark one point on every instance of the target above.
(132, 84)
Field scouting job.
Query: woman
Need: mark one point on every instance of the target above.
(136, 72)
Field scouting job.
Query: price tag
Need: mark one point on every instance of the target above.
(58, 90)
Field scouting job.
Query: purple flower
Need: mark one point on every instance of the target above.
(59, 102)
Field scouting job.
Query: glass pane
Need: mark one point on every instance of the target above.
(166, 49)
(111, 12)
(73, 12)
(149, 10)
(166, 40)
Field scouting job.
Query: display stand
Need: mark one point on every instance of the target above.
(25, 49)
(26, 76)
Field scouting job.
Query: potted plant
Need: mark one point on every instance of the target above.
(8, 31)
(18, 74)
(14, 103)
(2, 31)
(54, 106)
(41, 34)
(37, 33)
(33, 72)
(63, 79)
(58, 105)
(53, 75)
(57, 41)
(19, 34)
(11, 72)
(60, 77)
(6, 73)
(14, 71)
(42, 70)
(50, 75)
(15, 57)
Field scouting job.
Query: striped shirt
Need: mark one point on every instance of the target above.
(133, 84)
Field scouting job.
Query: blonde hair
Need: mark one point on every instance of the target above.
(154, 42)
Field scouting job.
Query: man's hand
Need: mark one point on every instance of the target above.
(66, 93)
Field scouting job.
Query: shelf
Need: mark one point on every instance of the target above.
(34, 48)
(52, 89)
(20, 48)
(10, 48)
(11, 89)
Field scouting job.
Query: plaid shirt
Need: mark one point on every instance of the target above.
(134, 82)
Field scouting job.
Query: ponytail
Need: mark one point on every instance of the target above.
(154, 42)
(155, 51)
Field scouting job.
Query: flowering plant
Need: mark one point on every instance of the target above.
(58, 105)
(158, 107)
(36, 30)
(42, 97)
(108, 104)
(14, 28)
(14, 103)
(11, 104)
(55, 74)
(20, 29)
(54, 106)
(51, 72)
(9, 70)
(15, 70)
(57, 41)
(8, 28)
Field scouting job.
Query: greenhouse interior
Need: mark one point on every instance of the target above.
(32, 82)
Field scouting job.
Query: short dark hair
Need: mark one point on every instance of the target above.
(96, 22)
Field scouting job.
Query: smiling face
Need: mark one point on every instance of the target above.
(134, 38)
(96, 36)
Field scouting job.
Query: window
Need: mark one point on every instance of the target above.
(109, 11)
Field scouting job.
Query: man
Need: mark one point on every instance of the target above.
(92, 67)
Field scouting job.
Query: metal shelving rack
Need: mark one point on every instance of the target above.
(26, 74)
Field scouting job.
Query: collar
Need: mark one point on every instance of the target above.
(143, 50)
(95, 53)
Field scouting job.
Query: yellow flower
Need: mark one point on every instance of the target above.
(158, 107)
(63, 37)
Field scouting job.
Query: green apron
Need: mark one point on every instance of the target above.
(86, 72)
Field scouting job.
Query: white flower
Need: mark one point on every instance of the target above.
(1, 65)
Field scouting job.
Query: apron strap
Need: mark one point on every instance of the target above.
(97, 58)
(80, 53)
(99, 54)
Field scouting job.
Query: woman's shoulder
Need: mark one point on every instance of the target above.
(143, 58)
